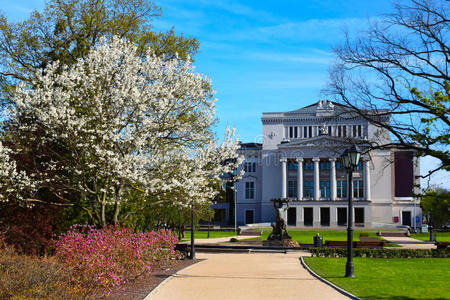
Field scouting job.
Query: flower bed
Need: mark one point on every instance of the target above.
(105, 259)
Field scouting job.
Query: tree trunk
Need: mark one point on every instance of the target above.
(116, 213)
(103, 209)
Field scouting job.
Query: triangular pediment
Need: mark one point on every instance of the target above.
(318, 141)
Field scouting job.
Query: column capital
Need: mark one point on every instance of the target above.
(299, 159)
(316, 159)
(283, 159)
(332, 159)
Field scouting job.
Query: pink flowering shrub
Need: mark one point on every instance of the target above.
(105, 259)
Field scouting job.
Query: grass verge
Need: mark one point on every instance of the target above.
(204, 234)
(440, 236)
(306, 236)
(398, 278)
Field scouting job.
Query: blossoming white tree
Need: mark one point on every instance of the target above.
(117, 121)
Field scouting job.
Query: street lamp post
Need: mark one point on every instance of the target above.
(192, 256)
(350, 159)
(179, 222)
(209, 220)
(235, 208)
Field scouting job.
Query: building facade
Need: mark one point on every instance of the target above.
(299, 159)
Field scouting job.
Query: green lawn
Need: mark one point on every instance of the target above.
(306, 236)
(379, 278)
(440, 236)
(204, 234)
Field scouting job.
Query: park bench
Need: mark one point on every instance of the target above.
(370, 244)
(369, 239)
(336, 243)
(442, 245)
(360, 244)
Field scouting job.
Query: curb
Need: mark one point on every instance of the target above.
(152, 292)
(344, 292)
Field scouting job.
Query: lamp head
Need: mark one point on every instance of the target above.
(350, 157)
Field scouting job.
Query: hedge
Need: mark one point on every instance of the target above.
(381, 253)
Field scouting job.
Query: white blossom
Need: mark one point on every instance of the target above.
(127, 122)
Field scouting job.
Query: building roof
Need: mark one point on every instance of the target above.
(251, 146)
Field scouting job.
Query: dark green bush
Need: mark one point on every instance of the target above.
(381, 253)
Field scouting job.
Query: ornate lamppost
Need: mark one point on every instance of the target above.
(350, 159)
(192, 256)
(179, 222)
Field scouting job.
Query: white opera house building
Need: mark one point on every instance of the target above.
(299, 159)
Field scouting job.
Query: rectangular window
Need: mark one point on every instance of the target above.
(360, 166)
(309, 165)
(249, 190)
(308, 189)
(292, 166)
(404, 173)
(322, 165)
(249, 167)
(325, 189)
(328, 165)
(342, 216)
(341, 190)
(358, 189)
(359, 215)
(292, 189)
(325, 216)
(295, 132)
(329, 130)
(292, 216)
(338, 165)
(308, 216)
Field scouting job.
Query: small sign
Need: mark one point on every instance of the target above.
(424, 229)
(395, 219)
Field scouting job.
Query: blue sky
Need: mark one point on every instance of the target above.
(261, 55)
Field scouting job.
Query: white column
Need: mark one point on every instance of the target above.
(333, 179)
(283, 177)
(300, 179)
(367, 178)
(316, 178)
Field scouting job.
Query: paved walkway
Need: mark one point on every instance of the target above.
(257, 276)
(409, 243)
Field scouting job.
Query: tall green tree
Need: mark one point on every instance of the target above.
(67, 29)
(395, 74)
(437, 201)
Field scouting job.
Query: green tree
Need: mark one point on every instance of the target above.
(437, 201)
(395, 74)
(67, 29)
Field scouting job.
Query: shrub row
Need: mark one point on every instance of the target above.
(381, 253)
(103, 260)
(27, 277)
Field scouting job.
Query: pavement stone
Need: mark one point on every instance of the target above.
(409, 243)
(258, 276)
